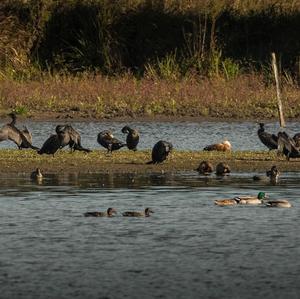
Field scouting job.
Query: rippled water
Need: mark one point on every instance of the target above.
(183, 135)
(189, 248)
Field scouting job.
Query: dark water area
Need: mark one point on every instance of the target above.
(189, 248)
(183, 135)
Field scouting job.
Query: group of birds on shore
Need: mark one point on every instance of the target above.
(66, 135)
(289, 146)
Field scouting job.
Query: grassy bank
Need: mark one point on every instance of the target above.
(25, 161)
(98, 97)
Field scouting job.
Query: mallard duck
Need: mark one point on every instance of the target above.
(132, 138)
(271, 174)
(160, 152)
(222, 169)
(227, 202)
(251, 200)
(269, 140)
(108, 213)
(205, 167)
(222, 147)
(145, 213)
(283, 203)
(36, 175)
(107, 140)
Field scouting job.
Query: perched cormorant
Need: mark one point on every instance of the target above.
(287, 145)
(108, 213)
(205, 167)
(69, 136)
(269, 140)
(107, 140)
(160, 152)
(297, 139)
(222, 147)
(132, 138)
(50, 146)
(145, 213)
(23, 139)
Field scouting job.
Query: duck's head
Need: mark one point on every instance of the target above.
(59, 129)
(148, 211)
(111, 211)
(262, 195)
(261, 125)
(125, 130)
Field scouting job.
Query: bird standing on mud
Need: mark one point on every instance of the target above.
(23, 139)
(132, 138)
(160, 152)
(69, 136)
(269, 140)
(108, 141)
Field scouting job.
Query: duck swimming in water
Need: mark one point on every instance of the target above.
(271, 175)
(107, 140)
(108, 213)
(242, 200)
(160, 152)
(222, 169)
(205, 167)
(22, 138)
(269, 140)
(251, 200)
(36, 175)
(132, 138)
(283, 203)
(222, 147)
(145, 213)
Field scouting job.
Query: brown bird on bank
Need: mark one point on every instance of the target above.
(222, 169)
(205, 167)
(221, 147)
(108, 213)
(145, 213)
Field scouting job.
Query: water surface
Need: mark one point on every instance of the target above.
(189, 248)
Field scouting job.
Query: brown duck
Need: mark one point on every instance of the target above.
(145, 213)
(108, 213)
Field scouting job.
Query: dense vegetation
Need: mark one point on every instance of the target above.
(176, 41)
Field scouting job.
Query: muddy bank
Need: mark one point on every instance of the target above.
(25, 161)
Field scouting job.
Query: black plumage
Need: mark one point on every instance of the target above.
(108, 141)
(287, 146)
(269, 140)
(132, 138)
(50, 146)
(69, 136)
(160, 152)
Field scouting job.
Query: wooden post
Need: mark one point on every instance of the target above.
(279, 103)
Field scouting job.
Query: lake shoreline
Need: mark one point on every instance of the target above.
(25, 161)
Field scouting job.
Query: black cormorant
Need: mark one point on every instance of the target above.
(287, 146)
(160, 152)
(269, 140)
(23, 139)
(107, 140)
(132, 138)
(50, 146)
